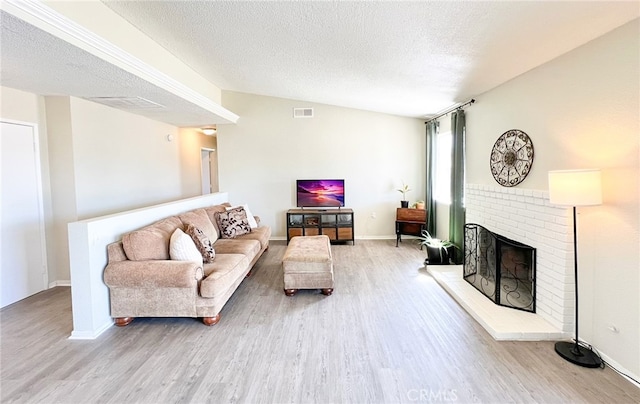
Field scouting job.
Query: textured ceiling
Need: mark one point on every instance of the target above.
(405, 58)
(36, 61)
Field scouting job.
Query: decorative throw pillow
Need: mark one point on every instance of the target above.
(252, 221)
(182, 248)
(202, 242)
(233, 223)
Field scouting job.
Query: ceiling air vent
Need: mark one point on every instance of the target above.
(303, 112)
(126, 102)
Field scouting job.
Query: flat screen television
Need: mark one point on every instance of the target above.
(320, 193)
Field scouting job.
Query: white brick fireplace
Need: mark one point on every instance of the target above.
(526, 216)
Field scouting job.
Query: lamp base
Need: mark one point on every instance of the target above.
(578, 355)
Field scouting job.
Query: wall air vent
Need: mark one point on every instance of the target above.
(126, 102)
(303, 112)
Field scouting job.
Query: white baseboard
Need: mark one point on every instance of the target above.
(59, 283)
(620, 369)
(93, 334)
(283, 238)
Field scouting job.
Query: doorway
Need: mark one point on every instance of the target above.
(23, 270)
(209, 168)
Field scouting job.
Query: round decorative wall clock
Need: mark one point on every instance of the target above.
(511, 158)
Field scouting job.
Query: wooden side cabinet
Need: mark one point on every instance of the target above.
(337, 224)
(411, 222)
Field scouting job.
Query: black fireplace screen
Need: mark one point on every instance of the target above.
(502, 269)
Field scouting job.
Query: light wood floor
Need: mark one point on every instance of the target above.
(388, 334)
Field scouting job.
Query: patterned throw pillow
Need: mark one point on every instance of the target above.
(233, 222)
(250, 218)
(202, 242)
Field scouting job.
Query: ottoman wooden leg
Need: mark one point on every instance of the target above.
(327, 292)
(290, 292)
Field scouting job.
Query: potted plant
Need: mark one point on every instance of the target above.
(438, 251)
(418, 205)
(404, 203)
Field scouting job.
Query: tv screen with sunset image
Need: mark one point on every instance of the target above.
(320, 193)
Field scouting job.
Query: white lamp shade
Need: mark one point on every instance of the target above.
(575, 187)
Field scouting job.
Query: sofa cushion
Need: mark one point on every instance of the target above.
(262, 234)
(202, 243)
(243, 246)
(201, 220)
(211, 213)
(182, 248)
(151, 242)
(233, 223)
(222, 274)
(115, 252)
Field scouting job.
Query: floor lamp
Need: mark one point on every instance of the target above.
(576, 188)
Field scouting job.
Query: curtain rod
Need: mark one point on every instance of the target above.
(459, 106)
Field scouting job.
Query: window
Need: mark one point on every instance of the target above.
(442, 178)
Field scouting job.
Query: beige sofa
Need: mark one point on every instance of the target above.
(144, 281)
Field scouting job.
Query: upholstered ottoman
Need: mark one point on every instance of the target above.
(307, 264)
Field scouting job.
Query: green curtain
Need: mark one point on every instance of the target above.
(456, 210)
(430, 203)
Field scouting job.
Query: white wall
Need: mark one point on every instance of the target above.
(581, 110)
(18, 105)
(191, 142)
(63, 187)
(98, 160)
(121, 160)
(261, 157)
(106, 161)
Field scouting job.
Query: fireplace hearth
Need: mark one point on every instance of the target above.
(502, 269)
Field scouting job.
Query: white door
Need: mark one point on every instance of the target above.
(206, 171)
(209, 166)
(22, 261)
(213, 171)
